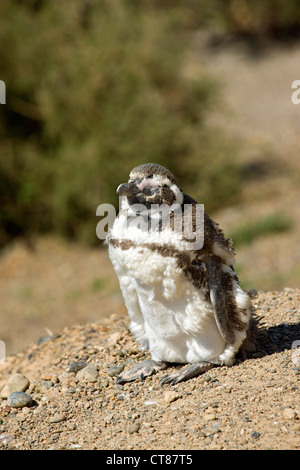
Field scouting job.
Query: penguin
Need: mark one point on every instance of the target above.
(184, 299)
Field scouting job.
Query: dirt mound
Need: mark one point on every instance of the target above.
(252, 405)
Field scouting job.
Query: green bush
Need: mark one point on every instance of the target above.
(93, 89)
(271, 19)
(271, 224)
(261, 19)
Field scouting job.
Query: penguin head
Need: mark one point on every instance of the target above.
(151, 184)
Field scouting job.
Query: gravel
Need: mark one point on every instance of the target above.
(252, 405)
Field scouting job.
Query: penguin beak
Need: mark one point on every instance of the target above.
(127, 189)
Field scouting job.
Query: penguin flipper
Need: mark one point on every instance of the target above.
(218, 298)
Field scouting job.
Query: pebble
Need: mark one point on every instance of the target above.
(152, 401)
(289, 413)
(57, 418)
(209, 414)
(16, 383)
(114, 339)
(76, 366)
(255, 435)
(212, 429)
(88, 373)
(115, 370)
(134, 427)
(19, 400)
(171, 396)
(21, 418)
(45, 338)
(47, 383)
(206, 378)
(6, 439)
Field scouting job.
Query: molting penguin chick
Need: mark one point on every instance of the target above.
(185, 305)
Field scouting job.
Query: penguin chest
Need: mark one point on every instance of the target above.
(178, 318)
(153, 274)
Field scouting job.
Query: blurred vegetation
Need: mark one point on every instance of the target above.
(95, 87)
(270, 224)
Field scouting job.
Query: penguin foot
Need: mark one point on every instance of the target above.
(140, 371)
(186, 373)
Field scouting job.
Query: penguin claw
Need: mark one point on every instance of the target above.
(167, 379)
(140, 371)
(186, 373)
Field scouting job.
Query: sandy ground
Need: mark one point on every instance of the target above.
(252, 405)
(51, 285)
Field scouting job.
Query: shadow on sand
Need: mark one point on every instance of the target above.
(275, 339)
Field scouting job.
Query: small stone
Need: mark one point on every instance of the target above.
(114, 339)
(289, 413)
(206, 378)
(171, 396)
(252, 292)
(296, 428)
(44, 339)
(210, 416)
(115, 370)
(212, 429)
(134, 427)
(21, 418)
(57, 418)
(6, 439)
(46, 377)
(150, 402)
(76, 366)
(16, 383)
(19, 400)
(88, 373)
(72, 427)
(47, 383)
(255, 435)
